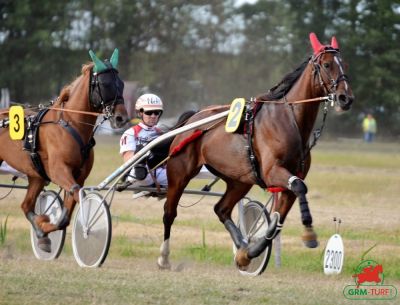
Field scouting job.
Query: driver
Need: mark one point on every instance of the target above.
(149, 108)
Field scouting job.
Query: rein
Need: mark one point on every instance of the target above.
(61, 109)
(76, 111)
(316, 99)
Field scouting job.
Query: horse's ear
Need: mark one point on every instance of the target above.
(99, 66)
(316, 45)
(334, 43)
(114, 58)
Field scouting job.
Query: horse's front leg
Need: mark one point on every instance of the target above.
(296, 188)
(62, 175)
(35, 186)
(279, 176)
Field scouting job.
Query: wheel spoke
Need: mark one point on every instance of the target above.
(91, 235)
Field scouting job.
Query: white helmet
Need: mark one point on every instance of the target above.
(149, 101)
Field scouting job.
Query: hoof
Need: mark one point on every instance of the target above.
(44, 244)
(163, 264)
(40, 219)
(309, 238)
(241, 259)
(311, 243)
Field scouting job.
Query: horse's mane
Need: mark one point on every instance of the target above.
(161, 150)
(283, 87)
(183, 118)
(67, 90)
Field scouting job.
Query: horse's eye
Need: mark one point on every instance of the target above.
(327, 65)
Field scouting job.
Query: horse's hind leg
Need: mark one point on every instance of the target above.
(179, 171)
(170, 212)
(235, 191)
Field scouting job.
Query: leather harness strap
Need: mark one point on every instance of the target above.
(85, 149)
(31, 143)
(252, 107)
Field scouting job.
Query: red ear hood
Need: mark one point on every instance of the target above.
(319, 47)
(316, 45)
(334, 43)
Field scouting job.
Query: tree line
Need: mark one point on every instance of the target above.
(195, 53)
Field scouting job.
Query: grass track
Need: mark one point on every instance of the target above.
(353, 181)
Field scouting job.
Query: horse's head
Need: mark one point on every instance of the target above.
(329, 72)
(106, 89)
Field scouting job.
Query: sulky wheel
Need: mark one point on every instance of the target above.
(50, 204)
(253, 223)
(91, 233)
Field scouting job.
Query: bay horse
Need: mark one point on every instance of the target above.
(274, 153)
(64, 140)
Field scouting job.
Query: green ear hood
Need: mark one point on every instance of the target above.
(114, 58)
(99, 66)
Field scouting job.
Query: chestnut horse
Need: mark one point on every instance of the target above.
(65, 140)
(282, 122)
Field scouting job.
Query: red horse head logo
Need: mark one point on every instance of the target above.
(369, 274)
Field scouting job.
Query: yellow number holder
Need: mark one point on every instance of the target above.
(17, 122)
(235, 115)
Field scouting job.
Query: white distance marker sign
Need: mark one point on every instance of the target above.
(334, 255)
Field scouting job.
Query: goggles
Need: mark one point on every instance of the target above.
(151, 112)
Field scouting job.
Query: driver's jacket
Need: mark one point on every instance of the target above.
(138, 136)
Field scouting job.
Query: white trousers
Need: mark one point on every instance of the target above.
(6, 169)
(160, 174)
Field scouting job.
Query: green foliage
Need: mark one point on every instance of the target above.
(197, 53)
(3, 231)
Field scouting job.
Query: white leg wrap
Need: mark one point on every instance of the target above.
(291, 180)
(163, 260)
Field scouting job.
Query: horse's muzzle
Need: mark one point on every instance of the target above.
(345, 101)
(119, 120)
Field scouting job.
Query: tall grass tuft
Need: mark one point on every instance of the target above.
(204, 238)
(3, 231)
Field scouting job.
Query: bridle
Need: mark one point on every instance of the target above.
(319, 71)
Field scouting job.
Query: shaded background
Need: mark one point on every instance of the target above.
(195, 53)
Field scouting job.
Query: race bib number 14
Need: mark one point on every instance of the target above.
(17, 123)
